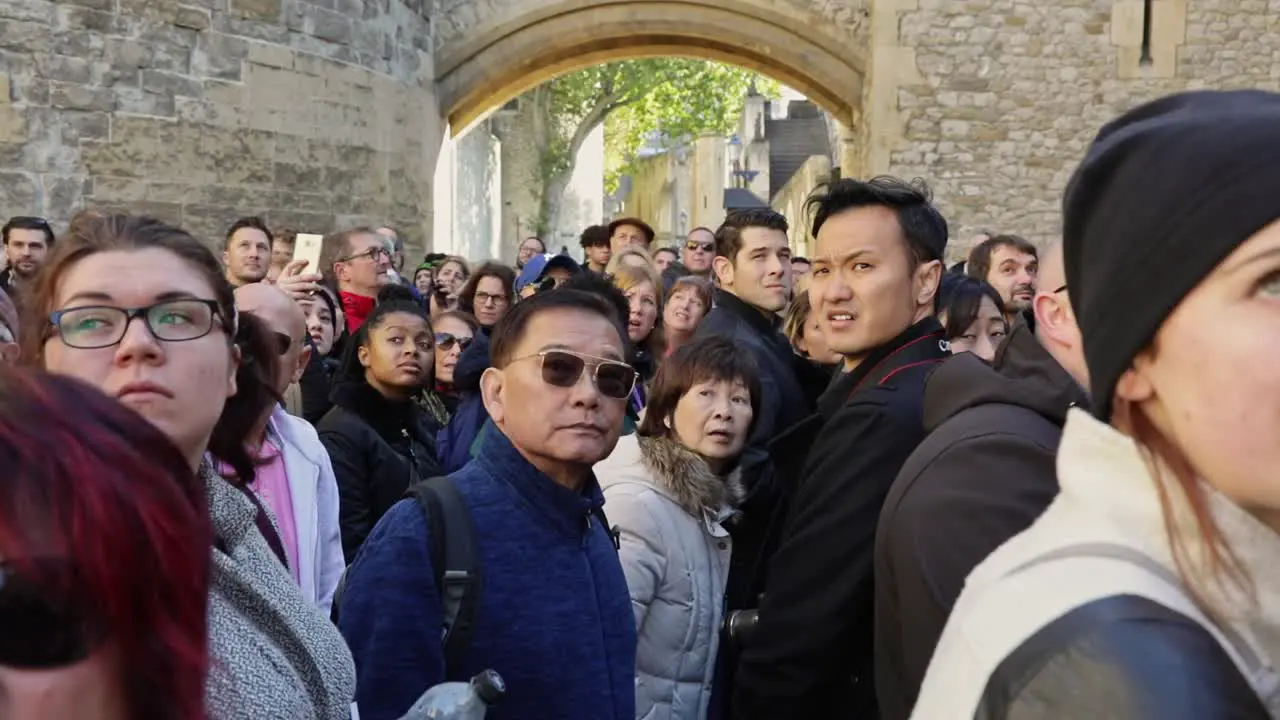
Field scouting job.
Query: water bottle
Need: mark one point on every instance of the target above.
(458, 700)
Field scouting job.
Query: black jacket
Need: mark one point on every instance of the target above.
(984, 473)
(378, 448)
(812, 650)
(1121, 658)
(783, 402)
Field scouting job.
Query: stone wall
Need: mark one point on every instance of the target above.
(791, 197)
(657, 194)
(467, 195)
(1012, 91)
(314, 114)
(521, 176)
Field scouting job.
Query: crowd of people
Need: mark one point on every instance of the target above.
(707, 481)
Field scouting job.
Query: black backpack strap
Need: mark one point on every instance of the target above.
(455, 561)
(615, 534)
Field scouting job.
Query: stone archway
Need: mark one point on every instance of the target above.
(489, 53)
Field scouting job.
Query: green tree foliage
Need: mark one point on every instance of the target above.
(668, 98)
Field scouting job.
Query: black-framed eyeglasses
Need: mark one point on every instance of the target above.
(97, 326)
(1061, 289)
(446, 341)
(372, 253)
(704, 247)
(38, 630)
(563, 369)
(484, 298)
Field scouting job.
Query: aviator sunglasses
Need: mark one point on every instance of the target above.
(563, 369)
(37, 629)
(445, 341)
(692, 246)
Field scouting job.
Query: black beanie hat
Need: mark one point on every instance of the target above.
(1165, 193)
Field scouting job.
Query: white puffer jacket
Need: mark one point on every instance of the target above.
(668, 506)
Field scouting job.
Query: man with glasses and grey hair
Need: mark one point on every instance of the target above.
(557, 620)
(356, 263)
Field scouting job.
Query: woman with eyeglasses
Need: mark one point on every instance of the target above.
(379, 440)
(669, 488)
(489, 293)
(104, 559)
(454, 331)
(141, 310)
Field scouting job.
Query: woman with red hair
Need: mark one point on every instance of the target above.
(104, 559)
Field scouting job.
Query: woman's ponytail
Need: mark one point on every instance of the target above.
(255, 393)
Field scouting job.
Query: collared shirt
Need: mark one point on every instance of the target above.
(271, 485)
(271, 488)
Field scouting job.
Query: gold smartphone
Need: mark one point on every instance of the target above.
(307, 247)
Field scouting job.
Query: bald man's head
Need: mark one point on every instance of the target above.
(283, 317)
(1053, 271)
(1056, 326)
(271, 305)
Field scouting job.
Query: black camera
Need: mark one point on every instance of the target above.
(740, 626)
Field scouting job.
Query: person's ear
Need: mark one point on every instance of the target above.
(927, 277)
(226, 259)
(236, 359)
(1051, 315)
(492, 387)
(362, 354)
(724, 270)
(8, 353)
(304, 357)
(1135, 383)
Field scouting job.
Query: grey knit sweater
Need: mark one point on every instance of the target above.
(272, 654)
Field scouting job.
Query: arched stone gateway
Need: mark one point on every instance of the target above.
(820, 51)
(328, 112)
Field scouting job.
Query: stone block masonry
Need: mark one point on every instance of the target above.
(1012, 91)
(313, 114)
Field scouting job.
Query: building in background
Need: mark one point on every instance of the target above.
(485, 194)
(781, 152)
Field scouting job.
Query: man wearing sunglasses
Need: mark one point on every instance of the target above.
(358, 263)
(556, 619)
(699, 252)
(545, 272)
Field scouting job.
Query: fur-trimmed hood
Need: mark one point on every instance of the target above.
(676, 472)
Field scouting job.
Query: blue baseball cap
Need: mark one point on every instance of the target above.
(538, 265)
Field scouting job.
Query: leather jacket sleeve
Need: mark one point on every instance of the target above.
(1121, 658)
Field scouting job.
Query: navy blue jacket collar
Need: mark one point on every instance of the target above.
(568, 511)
